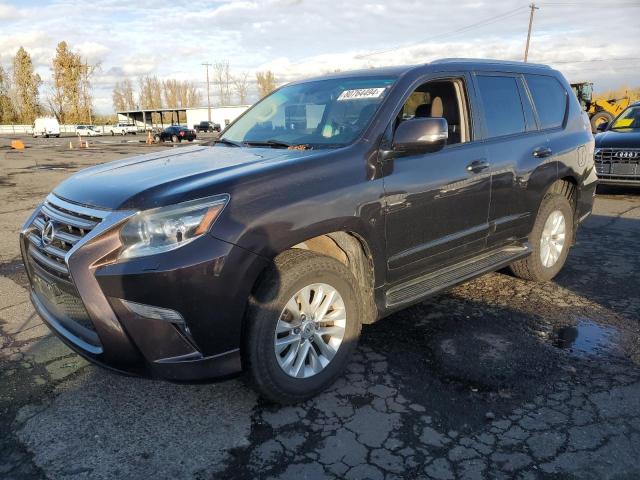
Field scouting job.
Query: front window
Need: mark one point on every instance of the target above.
(315, 114)
(629, 119)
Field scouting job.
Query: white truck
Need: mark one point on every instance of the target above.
(46, 127)
(122, 129)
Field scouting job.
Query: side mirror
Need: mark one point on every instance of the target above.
(421, 134)
(602, 126)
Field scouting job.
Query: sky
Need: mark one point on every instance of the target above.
(586, 40)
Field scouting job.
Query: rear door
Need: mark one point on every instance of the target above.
(515, 147)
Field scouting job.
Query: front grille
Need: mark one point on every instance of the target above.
(56, 228)
(618, 162)
(66, 306)
(66, 225)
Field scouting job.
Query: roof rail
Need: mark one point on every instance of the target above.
(488, 61)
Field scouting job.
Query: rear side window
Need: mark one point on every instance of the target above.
(549, 98)
(502, 106)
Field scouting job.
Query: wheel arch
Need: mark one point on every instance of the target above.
(350, 249)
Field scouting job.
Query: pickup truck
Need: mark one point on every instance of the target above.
(206, 127)
(123, 129)
(331, 203)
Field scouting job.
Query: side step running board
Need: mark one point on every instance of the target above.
(439, 280)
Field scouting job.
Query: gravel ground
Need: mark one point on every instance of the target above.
(497, 378)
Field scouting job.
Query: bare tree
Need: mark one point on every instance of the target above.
(69, 97)
(180, 93)
(150, 93)
(222, 78)
(241, 87)
(266, 83)
(128, 95)
(26, 86)
(171, 92)
(118, 97)
(7, 111)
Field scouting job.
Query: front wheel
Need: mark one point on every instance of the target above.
(157, 139)
(550, 240)
(302, 325)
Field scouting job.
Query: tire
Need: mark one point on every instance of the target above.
(157, 138)
(112, 133)
(175, 139)
(191, 139)
(533, 267)
(291, 272)
(599, 118)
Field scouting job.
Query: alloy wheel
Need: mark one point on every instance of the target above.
(310, 330)
(552, 239)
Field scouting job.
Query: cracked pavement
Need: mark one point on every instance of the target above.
(497, 378)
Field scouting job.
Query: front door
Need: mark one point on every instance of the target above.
(437, 203)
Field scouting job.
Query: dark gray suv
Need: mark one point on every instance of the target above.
(329, 204)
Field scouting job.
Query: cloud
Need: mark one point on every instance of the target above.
(8, 12)
(296, 38)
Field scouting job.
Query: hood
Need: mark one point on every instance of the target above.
(620, 138)
(162, 178)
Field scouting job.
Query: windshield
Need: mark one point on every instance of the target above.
(321, 113)
(630, 119)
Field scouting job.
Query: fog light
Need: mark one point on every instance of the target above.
(157, 313)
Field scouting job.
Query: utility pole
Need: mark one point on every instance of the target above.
(526, 50)
(208, 94)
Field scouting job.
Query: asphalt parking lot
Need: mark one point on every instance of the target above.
(497, 378)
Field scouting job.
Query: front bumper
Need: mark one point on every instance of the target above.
(620, 181)
(207, 281)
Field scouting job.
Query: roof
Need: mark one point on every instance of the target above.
(448, 63)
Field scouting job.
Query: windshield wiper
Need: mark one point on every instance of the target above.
(273, 144)
(227, 142)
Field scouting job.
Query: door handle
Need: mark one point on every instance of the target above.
(477, 166)
(542, 152)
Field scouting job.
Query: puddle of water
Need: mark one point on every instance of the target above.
(586, 338)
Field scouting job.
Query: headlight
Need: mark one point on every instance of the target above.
(167, 228)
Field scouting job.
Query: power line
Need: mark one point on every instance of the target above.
(575, 4)
(481, 23)
(620, 59)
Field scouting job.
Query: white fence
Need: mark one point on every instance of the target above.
(28, 129)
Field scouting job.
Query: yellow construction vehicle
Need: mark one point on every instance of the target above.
(599, 110)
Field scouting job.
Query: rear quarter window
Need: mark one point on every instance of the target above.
(503, 111)
(549, 98)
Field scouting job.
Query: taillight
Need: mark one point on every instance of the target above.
(182, 133)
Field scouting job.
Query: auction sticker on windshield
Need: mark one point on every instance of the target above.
(360, 93)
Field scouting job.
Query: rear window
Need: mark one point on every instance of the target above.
(502, 106)
(549, 98)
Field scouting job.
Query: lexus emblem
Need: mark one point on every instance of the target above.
(627, 155)
(48, 233)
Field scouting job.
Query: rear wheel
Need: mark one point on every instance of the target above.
(157, 138)
(175, 138)
(550, 240)
(302, 325)
(599, 118)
